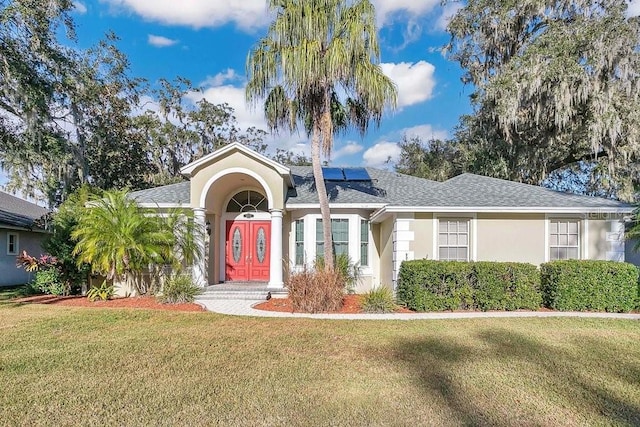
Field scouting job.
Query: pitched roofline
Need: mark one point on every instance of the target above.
(298, 206)
(5, 226)
(188, 170)
(501, 209)
(163, 205)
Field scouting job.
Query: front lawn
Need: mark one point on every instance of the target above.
(75, 366)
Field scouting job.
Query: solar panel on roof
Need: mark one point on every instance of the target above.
(356, 174)
(332, 174)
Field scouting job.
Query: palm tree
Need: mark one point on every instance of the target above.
(119, 239)
(318, 65)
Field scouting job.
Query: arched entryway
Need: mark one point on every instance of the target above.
(237, 192)
(247, 225)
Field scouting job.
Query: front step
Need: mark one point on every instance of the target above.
(225, 292)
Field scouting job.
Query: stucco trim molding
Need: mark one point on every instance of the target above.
(249, 172)
(189, 169)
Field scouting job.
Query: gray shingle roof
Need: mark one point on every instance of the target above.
(19, 212)
(172, 193)
(394, 189)
(476, 190)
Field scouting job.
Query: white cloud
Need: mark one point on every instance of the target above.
(246, 14)
(415, 81)
(633, 9)
(425, 132)
(380, 154)
(219, 79)
(79, 7)
(386, 10)
(448, 12)
(234, 97)
(218, 90)
(160, 41)
(350, 148)
(251, 14)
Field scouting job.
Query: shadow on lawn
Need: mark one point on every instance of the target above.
(436, 363)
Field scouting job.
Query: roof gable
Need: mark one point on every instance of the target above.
(192, 167)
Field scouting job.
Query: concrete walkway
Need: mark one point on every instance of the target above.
(245, 308)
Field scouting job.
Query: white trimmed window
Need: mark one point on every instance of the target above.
(364, 243)
(453, 239)
(339, 235)
(564, 239)
(12, 244)
(299, 243)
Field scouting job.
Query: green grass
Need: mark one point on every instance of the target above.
(73, 366)
(10, 292)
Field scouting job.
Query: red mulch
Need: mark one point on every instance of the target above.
(133, 302)
(350, 305)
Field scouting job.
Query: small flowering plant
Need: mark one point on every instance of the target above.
(31, 263)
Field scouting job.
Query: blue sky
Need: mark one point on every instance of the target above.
(207, 41)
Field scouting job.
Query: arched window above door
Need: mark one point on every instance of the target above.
(248, 201)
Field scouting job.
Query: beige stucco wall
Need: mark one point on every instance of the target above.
(225, 186)
(422, 227)
(383, 239)
(597, 238)
(511, 237)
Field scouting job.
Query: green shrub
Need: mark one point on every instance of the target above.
(428, 285)
(103, 292)
(179, 289)
(48, 281)
(379, 300)
(584, 285)
(315, 291)
(506, 286)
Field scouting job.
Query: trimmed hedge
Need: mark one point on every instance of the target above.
(428, 285)
(581, 285)
(506, 286)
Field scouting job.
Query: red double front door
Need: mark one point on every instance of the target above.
(247, 251)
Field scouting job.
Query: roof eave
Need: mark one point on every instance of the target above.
(381, 213)
(366, 206)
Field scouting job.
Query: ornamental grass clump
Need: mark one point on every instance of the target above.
(379, 300)
(315, 291)
(179, 289)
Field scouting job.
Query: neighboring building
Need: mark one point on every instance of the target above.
(264, 218)
(18, 232)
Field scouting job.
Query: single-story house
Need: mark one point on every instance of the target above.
(18, 232)
(263, 218)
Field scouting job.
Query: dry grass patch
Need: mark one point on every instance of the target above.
(62, 366)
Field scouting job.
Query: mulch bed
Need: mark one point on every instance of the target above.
(351, 305)
(133, 302)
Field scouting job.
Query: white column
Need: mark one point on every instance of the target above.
(199, 267)
(275, 270)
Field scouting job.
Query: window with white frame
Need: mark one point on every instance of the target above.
(339, 235)
(564, 238)
(453, 239)
(12, 244)
(364, 243)
(299, 242)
